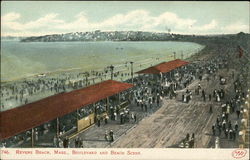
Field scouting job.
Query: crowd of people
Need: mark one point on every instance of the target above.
(30, 89)
(188, 141)
(226, 126)
(147, 94)
(150, 90)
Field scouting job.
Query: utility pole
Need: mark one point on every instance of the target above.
(57, 128)
(182, 55)
(174, 55)
(132, 73)
(112, 70)
(86, 81)
(86, 78)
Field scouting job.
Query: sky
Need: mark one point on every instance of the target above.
(30, 18)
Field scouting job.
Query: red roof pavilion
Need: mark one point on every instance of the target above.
(25, 117)
(164, 67)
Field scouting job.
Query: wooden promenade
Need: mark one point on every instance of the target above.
(170, 124)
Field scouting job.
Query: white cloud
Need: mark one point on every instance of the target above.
(134, 20)
(80, 22)
(130, 19)
(169, 18)
(10, 21)
(236, 27)
(10, 17)
(48, 20)
(212, 25)
(206, 28)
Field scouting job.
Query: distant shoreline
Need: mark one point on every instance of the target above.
(110, 36)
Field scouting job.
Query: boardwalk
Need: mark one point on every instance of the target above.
(170, 124)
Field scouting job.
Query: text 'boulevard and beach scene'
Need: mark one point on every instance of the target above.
(113, 74)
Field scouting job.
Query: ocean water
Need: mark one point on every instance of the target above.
(20, 60)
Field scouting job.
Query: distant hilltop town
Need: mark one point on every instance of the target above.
(103, 36)
(117, 36)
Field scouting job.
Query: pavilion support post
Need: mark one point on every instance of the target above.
(32, 138)
(108, 105)
(95, 113)
(77, 118)
(57, 127)
(77, 114)
(94, 108)
(119, 98)
(161, 77)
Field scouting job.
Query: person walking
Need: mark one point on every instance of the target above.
(60, 143)
(106, 136)
(121, 117)
(76, 142)
(142, 106)
(224, 124)
(36, 134)
(106, 119)
(229, 125)
(191, 142)
(158, 101)
(80, 143)
(115, 116)
(236, 126)
(213, 129)
(98, 121)
(111, 134)
(151, 105)
(187, 137)
(65, 142)
(238, 113)
(211, 109)
(55, 141)
(203, 95)
(226, 133)
(132, 116)
(234, 134)
(230, 134)
(135, 118)
(219, 129)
